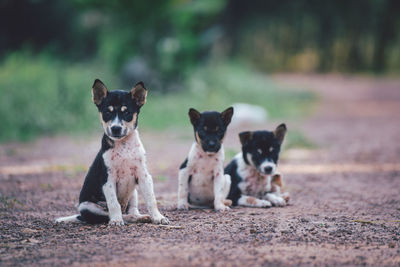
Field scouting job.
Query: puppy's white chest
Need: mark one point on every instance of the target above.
(202, 170)
(124, 162)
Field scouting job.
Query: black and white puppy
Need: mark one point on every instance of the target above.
(202, 182)
(255, 181)
(109, 189)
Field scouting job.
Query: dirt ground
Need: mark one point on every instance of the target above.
(345, 207)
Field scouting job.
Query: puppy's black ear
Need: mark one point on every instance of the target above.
(280, 132)
(139, 94)
(245, 137)
(99, 92)
(194, 116)
(227, 116)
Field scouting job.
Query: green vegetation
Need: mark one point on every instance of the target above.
(218, 87)
(9, 203)
(40, 95)
(44, 96)
(296, 139)
(188, 53)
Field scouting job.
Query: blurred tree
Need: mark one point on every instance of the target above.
(165, 34)
(169, 37)
(346, 35)
(38, 25)
(385, 32)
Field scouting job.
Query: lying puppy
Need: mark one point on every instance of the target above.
(202, 182)
(110, 185)
(255, 181)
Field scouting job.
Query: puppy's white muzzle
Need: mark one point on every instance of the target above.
(267, 167)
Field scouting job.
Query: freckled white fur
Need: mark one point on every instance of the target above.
(209, 185)
(256, 184)
(125, 162)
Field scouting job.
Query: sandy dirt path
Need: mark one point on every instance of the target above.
(345, 207)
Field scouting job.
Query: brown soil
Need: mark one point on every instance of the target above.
(345, 206)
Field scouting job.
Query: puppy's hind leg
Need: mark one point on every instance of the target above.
(92, 213)
(133, 211)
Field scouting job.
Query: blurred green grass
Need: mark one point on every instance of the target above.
(296, 139)
(41, 95)
(217, 87)
(44, 96)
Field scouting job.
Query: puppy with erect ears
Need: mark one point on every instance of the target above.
(109, 194)
(255, 179)
(202, 182)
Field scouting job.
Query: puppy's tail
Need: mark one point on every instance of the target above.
(74, 218)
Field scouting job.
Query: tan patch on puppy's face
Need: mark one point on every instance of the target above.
(198, 139)
(103, 123)
(130, 126)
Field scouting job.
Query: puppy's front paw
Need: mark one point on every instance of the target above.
(278, 201)
(265, 204)
(160, 220)
(222, 207)
(183, 205)
(117, 222)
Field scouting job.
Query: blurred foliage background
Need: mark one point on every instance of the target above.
(204, 53)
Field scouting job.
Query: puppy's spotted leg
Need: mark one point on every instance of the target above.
(133, 211)
(114, 208)
(222, 184)
(146, 187)
(183, 189)
(249, 201)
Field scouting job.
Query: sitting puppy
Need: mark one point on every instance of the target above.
(202, 182)
(109, 189)
(255, 182)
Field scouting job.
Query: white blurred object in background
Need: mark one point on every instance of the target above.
(246, 113)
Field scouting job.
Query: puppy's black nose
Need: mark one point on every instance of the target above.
(212, 144)
(268, 169)
(116, 130)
